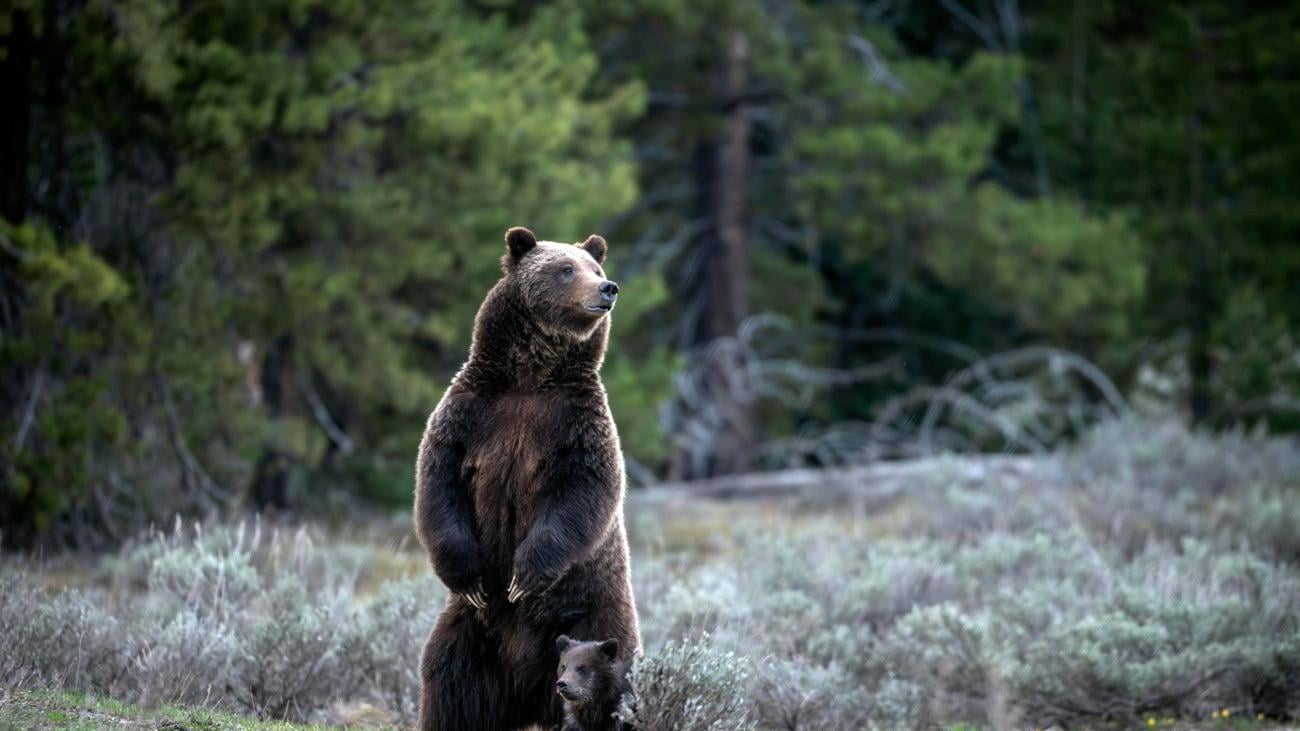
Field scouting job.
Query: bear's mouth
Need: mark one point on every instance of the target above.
(606, 307)
(569, 695)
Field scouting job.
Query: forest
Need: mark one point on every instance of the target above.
(957, 354)
(243, 242)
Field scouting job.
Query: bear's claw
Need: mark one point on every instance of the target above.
(477, 598)
(515, 592)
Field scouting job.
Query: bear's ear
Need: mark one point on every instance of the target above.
(563, 643)
(519, 241)
(596, 246)
(610, 648)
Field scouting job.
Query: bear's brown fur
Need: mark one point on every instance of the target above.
(592, 681)
(519, 494)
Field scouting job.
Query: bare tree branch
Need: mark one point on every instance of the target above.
(29, 413)
(880, 72)
(977, 26)
(323, 418)
(209, 490)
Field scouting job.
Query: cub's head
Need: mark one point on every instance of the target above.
(588, 670)
(562, 285)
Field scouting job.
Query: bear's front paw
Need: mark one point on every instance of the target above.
(524, 584)
(476, 596)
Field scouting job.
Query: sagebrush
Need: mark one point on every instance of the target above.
(1158, 574)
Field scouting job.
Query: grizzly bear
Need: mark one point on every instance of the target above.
(519, 494)
(592, 682)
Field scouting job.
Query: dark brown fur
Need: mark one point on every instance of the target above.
(592, 680)
(519, 483)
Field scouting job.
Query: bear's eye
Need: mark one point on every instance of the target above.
(562, 668)
(568, 270)
(582, 669)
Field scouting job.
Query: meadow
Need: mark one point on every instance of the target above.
(1146, 576)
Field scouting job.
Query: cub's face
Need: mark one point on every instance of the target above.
(586, 668)
(563, 285)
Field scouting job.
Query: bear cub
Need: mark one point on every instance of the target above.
(591, 682)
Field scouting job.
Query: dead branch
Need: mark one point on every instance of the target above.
(880, 72)
(323, 417)
(29, 413)
(1021, 401)
(209, 490)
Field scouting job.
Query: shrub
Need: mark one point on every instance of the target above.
(1132, 657)
(796, 695)
(1167, 457)
(233, 617)
(289, 665)
(380, 646)
(64, 640)
(188, 661)
(689, 686)
(949, 653)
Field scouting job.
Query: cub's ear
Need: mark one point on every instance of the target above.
(596, 246)
(609, 648)
(563, 643)
(519, 241)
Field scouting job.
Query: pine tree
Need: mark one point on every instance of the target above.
(257, 235)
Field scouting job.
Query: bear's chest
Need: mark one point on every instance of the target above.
(507, 462)
(512, 434)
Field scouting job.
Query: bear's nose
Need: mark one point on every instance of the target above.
(608, 289)
(561, 684)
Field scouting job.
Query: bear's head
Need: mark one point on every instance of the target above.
(588, 670)
(562, 285)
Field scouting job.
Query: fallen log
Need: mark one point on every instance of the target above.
(878, 480)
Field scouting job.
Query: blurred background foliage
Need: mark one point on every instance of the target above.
(243, 242)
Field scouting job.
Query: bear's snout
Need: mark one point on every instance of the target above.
(608, 290)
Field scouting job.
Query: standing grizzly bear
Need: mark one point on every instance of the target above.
(519, 494)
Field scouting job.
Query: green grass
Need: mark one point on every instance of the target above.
(34, 709)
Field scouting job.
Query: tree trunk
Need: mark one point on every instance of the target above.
(723, 167)
(728, 273)
(1203, 292)
(16, 90)
(20, 387)
(270, 489)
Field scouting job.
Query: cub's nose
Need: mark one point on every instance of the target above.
(608, 290)
(562, 685)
